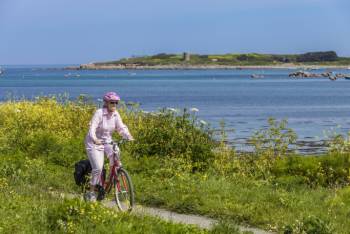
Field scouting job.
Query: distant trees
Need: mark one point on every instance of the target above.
(318, 57)
(242, 57)
(281, 58)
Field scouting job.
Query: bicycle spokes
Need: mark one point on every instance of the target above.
(123, 190)
(124, 195)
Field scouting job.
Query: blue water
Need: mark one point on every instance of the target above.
(311, 106)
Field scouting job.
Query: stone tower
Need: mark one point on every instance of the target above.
(186, 57)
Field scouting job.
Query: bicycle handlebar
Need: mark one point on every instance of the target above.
(120, 142)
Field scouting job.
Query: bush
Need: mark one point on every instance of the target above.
(275, 140)
(54, 129)
(44, 127)
(168, 134)
(338, 144)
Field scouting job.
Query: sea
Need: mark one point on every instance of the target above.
(315, 108)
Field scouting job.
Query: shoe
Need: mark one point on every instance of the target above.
(100, 193)
(90, 196)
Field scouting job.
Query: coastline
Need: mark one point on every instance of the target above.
(201, 67)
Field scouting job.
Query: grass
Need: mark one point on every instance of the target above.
(247, 202)
(271, 205)
(32, 198)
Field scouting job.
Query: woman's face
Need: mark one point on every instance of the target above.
(112, 106)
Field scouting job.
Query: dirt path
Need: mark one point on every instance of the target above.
(201, 221)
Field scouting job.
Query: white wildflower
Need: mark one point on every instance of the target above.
(203, 122)
(194, 109)
(18, 110)
(171, 109)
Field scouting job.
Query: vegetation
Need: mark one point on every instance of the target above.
(318, 57)
(312, 58)
(174, 164)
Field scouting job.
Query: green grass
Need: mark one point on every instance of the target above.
(273, 204)
(49, 214)
(249, 202)
(32, 198)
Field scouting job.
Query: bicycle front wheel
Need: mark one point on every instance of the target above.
(124, 190)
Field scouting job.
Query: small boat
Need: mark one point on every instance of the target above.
(1, 71)
(255, 76)
(71, 75)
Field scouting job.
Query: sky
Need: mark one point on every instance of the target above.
(83, 31)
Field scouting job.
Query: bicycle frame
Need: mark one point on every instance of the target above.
(108, 185)
(113, 170)
(120, 179)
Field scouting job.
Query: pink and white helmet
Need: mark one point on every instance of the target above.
(111, 96)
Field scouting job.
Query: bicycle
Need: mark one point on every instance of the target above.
(119, 179)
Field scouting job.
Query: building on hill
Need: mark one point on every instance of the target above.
(186, 57)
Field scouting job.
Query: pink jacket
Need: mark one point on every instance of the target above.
(103, 124)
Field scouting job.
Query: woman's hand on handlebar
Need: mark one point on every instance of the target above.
(98, 142)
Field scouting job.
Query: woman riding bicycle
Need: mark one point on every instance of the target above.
(104, 122)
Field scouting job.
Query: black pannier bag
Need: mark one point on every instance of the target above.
(82, 171)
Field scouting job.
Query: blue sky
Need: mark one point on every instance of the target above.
(82, 31)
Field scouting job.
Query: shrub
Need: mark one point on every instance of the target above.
(55, 129)
(275, 140)
(168, 134)
(339, 144)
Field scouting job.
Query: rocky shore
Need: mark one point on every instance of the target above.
(329, 75)
(92, 66)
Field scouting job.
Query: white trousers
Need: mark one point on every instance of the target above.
(96, 157)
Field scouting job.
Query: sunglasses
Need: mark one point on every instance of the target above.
(113, 103)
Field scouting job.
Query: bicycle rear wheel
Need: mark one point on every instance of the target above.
(124, 190)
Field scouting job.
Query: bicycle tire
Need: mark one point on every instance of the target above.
(124, 190)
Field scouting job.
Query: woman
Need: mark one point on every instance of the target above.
(104, 122)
